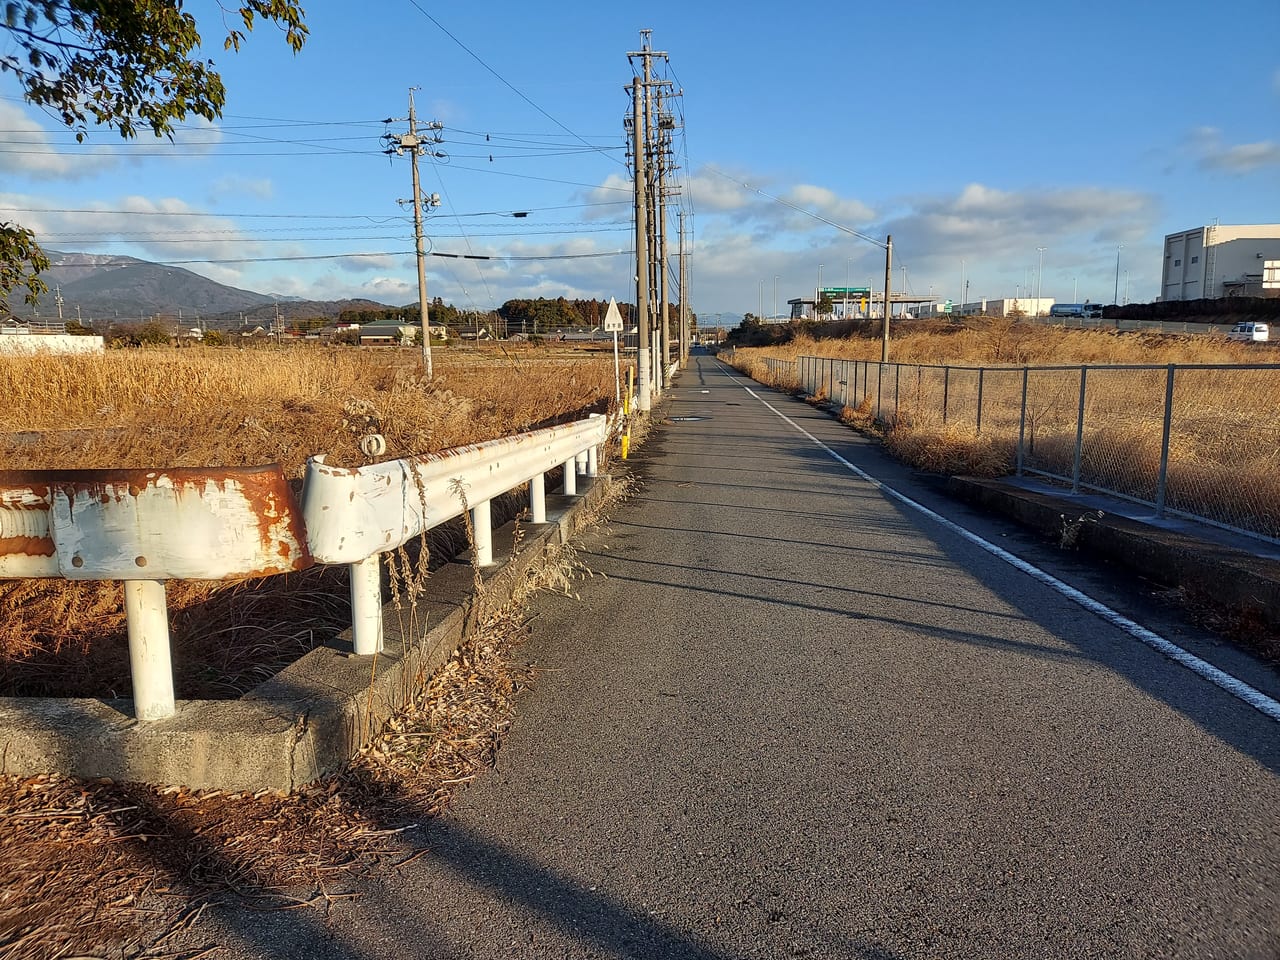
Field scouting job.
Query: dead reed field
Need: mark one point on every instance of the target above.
(203, 407)
(1224, 449)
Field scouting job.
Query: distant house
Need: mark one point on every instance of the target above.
(385, 334)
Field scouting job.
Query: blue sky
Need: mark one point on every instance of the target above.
(972, 133)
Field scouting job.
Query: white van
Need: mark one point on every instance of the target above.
(1250, 332)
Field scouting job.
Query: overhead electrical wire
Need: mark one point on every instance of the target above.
(502, 79)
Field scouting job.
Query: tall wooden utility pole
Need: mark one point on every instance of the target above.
(642, 237)
(664, 363)
(684, 296)
(416, 146)
(641, 133)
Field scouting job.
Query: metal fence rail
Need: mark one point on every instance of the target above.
(1194, 440)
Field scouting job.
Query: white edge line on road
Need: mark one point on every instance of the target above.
(1234, 686)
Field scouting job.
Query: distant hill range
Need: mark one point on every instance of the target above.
(124, 288)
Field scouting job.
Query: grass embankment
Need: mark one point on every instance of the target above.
(175, 408)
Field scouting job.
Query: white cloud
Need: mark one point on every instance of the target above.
(1215, 154)
(164, 229)
(714, 192)
(825, 202)
(261, 188)
(32, 151)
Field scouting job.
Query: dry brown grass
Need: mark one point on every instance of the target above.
(1224, 453)
(172, 408)
(196, 407)
(986, 341)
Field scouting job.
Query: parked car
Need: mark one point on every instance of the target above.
(1250, 332)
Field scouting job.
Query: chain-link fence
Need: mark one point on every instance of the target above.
(1194, 440)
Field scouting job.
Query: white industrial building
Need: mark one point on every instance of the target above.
(1222, 260)
(1008, 306)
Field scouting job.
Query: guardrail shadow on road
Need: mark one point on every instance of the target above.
(249, 915)
(1201, 702)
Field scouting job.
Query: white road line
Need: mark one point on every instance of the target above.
(1233, 685)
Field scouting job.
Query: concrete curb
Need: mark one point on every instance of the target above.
(1231, 578)
(1240, 584)
(308, 719)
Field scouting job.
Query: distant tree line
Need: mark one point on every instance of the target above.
(528, 315)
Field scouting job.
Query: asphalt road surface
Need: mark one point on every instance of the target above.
(796, 717)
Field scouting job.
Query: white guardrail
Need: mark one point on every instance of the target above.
(144, 527)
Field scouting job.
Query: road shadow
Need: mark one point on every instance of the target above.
(1213, 710)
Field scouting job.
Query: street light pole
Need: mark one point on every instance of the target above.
(775, 297)
(849, 265)
(1115, 297)
(818, 295)
(762, 299)
(1039, 277)
(888, 284)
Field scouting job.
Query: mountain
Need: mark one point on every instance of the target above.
(110, 287)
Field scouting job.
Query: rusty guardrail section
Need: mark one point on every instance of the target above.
(144, 527)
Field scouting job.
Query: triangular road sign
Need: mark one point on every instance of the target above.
(613, 319)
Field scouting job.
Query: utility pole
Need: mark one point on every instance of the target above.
(638, 138)
(643, 128)
(418, 145)
(664, 363)
(888, 282)
(684, 295)
(1039, 277)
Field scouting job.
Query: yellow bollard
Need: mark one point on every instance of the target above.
(626, 443)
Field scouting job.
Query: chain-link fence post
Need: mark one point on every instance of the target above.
(897, 378)
(946, 390)
(1022, 420)
(1075, 470)
(981, 371)
(1163, 480)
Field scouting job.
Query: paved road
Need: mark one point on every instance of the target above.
(796, 718)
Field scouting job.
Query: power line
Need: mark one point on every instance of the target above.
(384, 253)
(503, 79)
(303, 216)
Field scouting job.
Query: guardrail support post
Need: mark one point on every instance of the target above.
(571, 477)
(482, 532)
(366, 606)
(538, 499)
(150, 664)
(593, 461)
